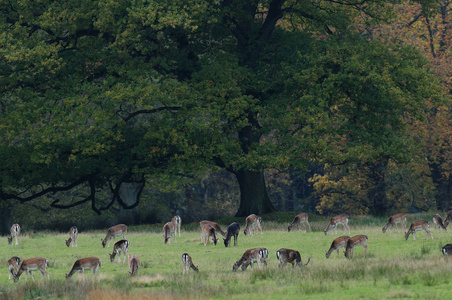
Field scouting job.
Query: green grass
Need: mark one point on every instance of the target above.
(393, 268)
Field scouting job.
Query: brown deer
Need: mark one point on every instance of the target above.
(233, 231)
(214, 225)
(259, 255)
(114, 231)
(334, 221)
(336, 244)
(438, 221)
(177, 221)
(448, 218)
(32, 264)
(15, 231)
(416, 226)
(393, 220)
(447, 249)
(13, 266)
(73, 234)
(206, 232)
(168, 231)
(252, 224)
(357, 240)
(134, 265)
(285, 256)
(298, 220)
(187, 263)
(120, 246)
(82, 264)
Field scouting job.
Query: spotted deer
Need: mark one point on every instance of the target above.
(73, 234)
(15, 232)
(32, 264)
(416, 226)
(187, 263)
(298, 220)
(447, 249)
(334, 221)
(233, 231)
(206, 232)
(438, 221)
(252, 224)
(120, 246)
(259, 255)
(357, 240)
(134, 265)
(114, 231)
(336, 244)
(177, 221)
(214, 225)
(168, 232)
(393, 220)
(82, 264)
(285, 256)
(13, 266)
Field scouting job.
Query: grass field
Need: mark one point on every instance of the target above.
(393, 268)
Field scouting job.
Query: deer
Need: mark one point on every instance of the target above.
(32, 264)
(13, 266)
(334, 221)
(15, 231)
(168, 231)
(253, 223)
(393, 220)
(82, 264)
(206, 232)
(177, 221)
(233, 230)
(357, 240)
(298, 220)
(285, 256)
(214, 225)
(438, 221)
(120, 246)
(447, 249)
(259, 255)
(114, 231)
(187, 264)
(416, 226)
(448, 218)
(73, 234)
(134, 265)
(336, 244)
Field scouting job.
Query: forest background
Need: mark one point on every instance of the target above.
(133, 111)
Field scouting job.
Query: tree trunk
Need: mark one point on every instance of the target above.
(378, 194)
(253, 194)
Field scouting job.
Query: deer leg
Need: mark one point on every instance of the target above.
(365, 250)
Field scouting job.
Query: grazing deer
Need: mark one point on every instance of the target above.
(168, 232)
(233, 230)
(114, 231)
(336, 244)
(438, 221)
(177, 221)
(251, 256)
(32, 264)
(120, 246)
(73, 234)
(334, 221)
(285, 256)
(214, 225)
(448, 218)
(393, 220)
(416, 226)
(15, 231)
(83, 264)
(13, 266)
(134, 265)
(298, 220)
(206, 232)
(357, 240)
(253, 223)
(447, 249)
(187, 263)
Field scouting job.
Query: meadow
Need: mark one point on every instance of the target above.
(393, 268)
